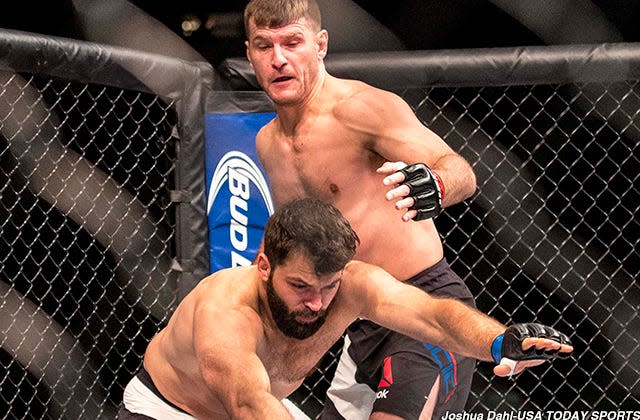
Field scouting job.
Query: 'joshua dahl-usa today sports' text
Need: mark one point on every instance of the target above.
(545, 415)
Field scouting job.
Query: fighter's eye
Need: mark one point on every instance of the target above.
(332, 286)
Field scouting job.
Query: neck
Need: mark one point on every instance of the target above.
(289, 116)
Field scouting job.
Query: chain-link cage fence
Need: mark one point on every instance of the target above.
(78, 194)
(553, 233)
(103, 227)
(92, 214)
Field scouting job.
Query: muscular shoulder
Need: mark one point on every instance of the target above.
(362, 95)
(264, 136)
(368, 109)
(224, 303)
(232, 289)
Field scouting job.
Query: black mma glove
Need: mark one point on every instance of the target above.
(426, 189)
(509, 344)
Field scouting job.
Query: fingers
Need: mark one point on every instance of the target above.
(391, 170)
(566, 348)
(508, 367)
(391, 167)
(501, 370)
(505, 369)
(403, 201)
(544, 344)
(531, 344)
(409, 215)
(393, 179)
(397, 193)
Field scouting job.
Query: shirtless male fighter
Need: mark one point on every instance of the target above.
(343, 141)
(244, 338)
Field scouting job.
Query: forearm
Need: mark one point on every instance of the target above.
(457, 176)
(465, 330)
(446, 322)
(245, 392)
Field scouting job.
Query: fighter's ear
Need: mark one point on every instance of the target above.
(246, 51)
(322, 39)
(264, 267)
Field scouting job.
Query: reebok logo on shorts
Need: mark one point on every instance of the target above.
(387, 374)
(382, 394)
(386, 381)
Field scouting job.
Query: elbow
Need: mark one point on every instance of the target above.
(472, 184)
(469, 186)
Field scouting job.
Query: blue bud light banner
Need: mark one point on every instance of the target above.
(238, 196)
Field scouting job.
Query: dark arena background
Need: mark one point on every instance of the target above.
(106, 113)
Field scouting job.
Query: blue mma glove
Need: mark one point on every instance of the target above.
(426, 189)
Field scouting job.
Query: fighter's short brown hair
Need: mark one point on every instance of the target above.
(314, 228)
(278, 13)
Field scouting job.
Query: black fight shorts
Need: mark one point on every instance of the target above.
(383, 371)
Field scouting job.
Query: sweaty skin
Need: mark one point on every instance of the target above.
(203, 365)
(331, 135)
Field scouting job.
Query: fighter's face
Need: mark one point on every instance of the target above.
(287, 60)
(303, 300)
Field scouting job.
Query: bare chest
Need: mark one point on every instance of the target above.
(324, 165)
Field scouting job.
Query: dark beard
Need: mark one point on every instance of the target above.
(286, 320)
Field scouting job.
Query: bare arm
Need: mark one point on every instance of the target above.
(457, 176)
(398, 135)
(447, 323)
(230, 366)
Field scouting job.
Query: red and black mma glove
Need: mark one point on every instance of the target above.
(509, 344)
(426, 189)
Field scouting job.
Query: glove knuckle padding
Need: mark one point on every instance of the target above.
(517, 333)
(421, 186)
(423, 189)
(414, 171)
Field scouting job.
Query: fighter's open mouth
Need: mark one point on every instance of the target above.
(282, 79)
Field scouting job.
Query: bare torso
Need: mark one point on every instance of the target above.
(326, 159)
(171, 360)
